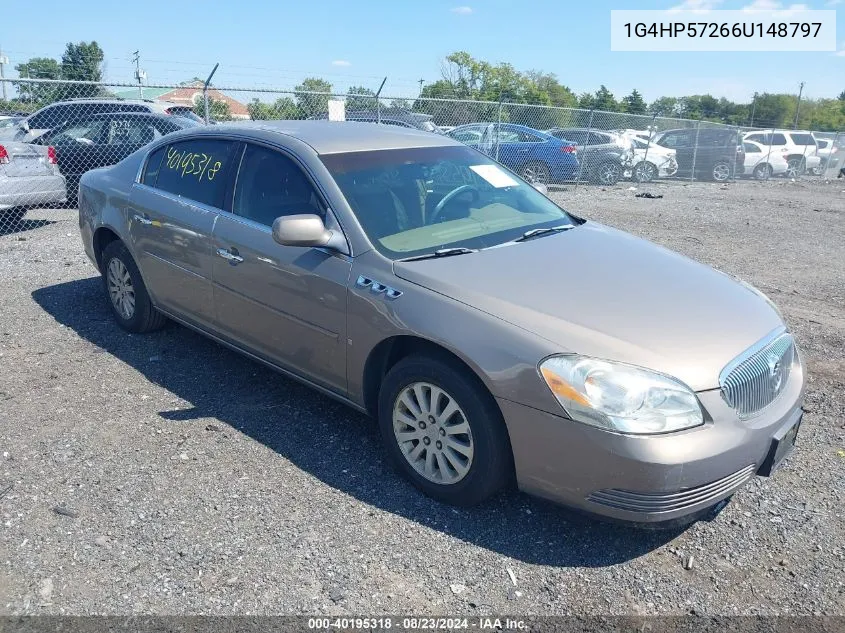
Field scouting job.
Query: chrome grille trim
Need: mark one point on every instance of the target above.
(755, 378)
(652, 502)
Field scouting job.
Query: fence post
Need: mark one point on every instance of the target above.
(769, 155)
(647, 146)
(378, 101)
(695, 151)
(498, 126)
(830, 156)
(205, 91)
(586, 140)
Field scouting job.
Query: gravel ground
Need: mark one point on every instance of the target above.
(163, 474)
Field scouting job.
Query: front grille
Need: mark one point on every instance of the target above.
(671, 501)
(757, 377)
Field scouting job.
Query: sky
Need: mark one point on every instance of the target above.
(276, 44)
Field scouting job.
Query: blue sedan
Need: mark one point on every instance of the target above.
(534, 155)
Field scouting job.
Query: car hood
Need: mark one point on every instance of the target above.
(600, 292)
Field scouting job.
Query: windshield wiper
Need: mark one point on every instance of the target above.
(544, 231)
(443, 252)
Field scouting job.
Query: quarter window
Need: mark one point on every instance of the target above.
(271, 185)
(197, 169)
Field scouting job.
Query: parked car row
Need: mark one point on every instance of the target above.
(43, 155)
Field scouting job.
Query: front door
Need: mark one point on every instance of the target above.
(171, 215)
(287, 304)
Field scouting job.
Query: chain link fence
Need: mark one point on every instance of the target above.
(54, 131)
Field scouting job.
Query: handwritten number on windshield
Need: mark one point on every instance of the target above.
(193, 164)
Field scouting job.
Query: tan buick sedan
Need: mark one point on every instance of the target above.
(494, 336)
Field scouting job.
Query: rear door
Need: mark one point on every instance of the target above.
(683, 142)
(171, 215)
(286, 303)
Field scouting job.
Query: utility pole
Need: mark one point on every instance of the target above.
(421, 82)
(138, 75)
(3, 61)
(753, 110)
(798, 105)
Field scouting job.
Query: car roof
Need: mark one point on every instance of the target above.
(146, 115)
(332, 137)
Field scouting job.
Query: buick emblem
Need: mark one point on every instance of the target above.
(775, 372)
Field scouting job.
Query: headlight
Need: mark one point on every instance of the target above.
(620, 397)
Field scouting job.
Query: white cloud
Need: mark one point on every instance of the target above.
(833, 3)
(462, 10)
(341, 62)
(699, 6)
(774, 5)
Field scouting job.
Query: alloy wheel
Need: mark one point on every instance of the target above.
(721, 172)
(433, 433)
(120, 287)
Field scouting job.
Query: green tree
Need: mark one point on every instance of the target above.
(286, 108)
(841, 96)
(365, 102)
(664, 107)
(259, 111)
(312, 96)
(38, 68)
(634, 103)
(604, 100)
(218, 110)
(82, 62)
(400, 104)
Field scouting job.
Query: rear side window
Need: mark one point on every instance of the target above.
(153, 163)
(803, 139)
(778, 139)
(197, 169)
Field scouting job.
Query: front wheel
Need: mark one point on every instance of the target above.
(443, 431)
(536, 172)
(645, 171)
(763, 171)
(127, 294)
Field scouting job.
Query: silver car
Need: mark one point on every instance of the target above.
(494, 336)
(29, 176)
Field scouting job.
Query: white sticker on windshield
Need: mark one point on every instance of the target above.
(495, 175)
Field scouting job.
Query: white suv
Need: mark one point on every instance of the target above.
(797, 146)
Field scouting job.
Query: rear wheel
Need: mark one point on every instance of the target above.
(608, 173)
(126, 291)
(536, 171)
(645, 171)
(443, 431)
(795, 167)
(763, 171)
(721, 171)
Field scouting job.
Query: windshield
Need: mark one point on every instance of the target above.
(415, 201)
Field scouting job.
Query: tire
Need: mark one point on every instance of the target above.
(11, 219)
(608, 173)
(763, 171)
(796, 167)
(721, 171)
(485, 456)
(644, 171)
(124, 286)
(536, 171)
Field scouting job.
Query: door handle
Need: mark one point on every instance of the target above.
(140, 219)
(229, 256)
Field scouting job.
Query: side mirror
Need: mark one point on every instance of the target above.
(307, 230)
(539, 186)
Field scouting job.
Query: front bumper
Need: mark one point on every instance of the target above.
(647, 479)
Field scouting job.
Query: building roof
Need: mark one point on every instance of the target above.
(147, 93)
(331, 137)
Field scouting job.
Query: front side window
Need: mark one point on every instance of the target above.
(197, 169)
(750, 148)
(417, 200)
(271, 185)
(675, 139)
